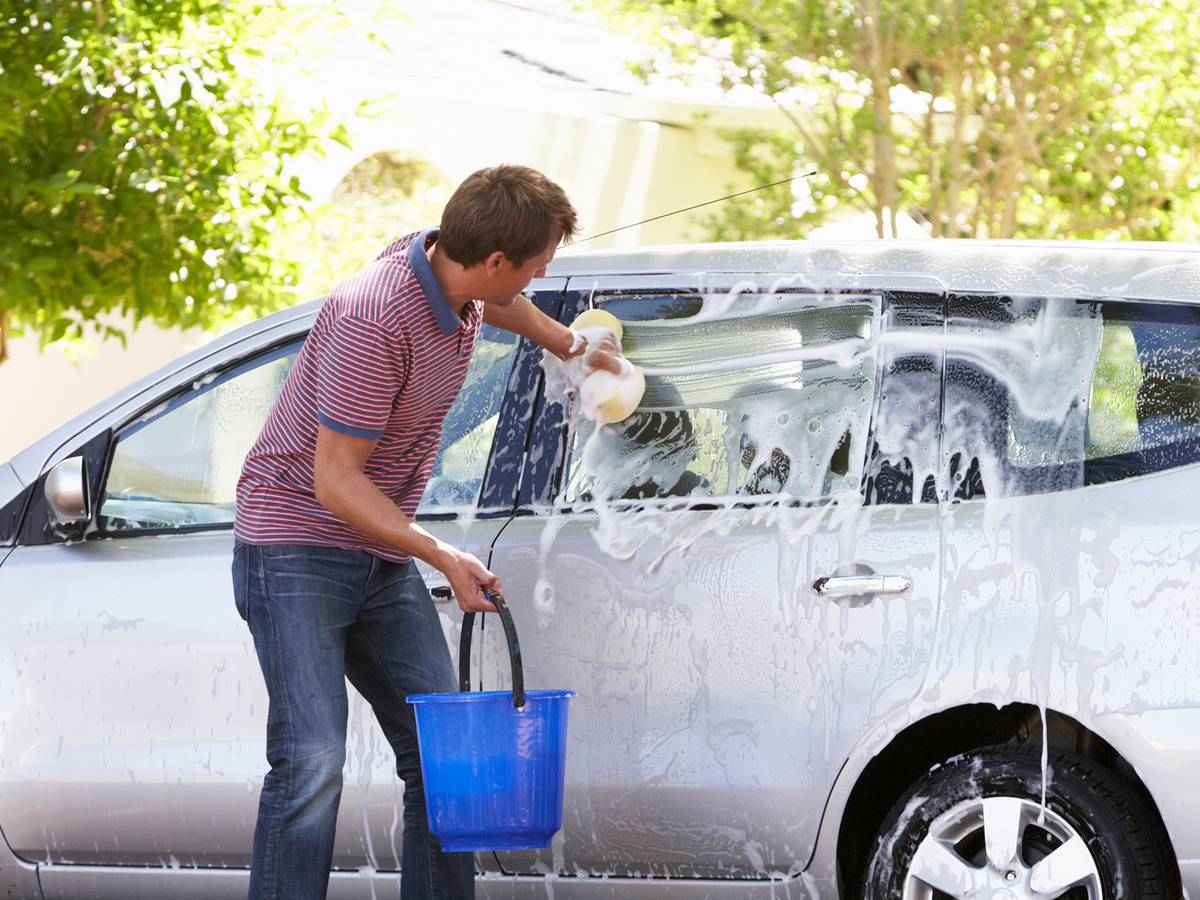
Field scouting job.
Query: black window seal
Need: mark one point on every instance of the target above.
(18, 507)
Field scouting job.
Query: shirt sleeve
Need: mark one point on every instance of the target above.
(360, 371)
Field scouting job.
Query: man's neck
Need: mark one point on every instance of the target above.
(456, 283)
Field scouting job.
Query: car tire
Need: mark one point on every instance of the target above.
(935, 842)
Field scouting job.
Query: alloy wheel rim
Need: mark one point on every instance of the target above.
(1002, 848)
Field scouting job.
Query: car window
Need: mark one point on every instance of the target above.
(1144, 407)
(470, 425)
(1047, 394)
(759, 395)
(178, 465)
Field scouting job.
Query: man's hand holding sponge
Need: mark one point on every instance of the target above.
(610, 386)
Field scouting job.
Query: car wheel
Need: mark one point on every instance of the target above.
(974, 827)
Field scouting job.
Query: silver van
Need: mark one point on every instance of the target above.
(890, 589)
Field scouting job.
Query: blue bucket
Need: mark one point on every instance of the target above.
(493, 761)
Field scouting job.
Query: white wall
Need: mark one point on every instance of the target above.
(41, 390)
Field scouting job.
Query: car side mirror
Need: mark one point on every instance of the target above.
(68, 498)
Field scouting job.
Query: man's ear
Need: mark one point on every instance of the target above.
(495, 262)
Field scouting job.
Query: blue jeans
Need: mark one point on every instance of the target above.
(320, 615)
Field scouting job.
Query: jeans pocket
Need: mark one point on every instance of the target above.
(241, 581)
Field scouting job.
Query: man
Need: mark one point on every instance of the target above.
(325, 539)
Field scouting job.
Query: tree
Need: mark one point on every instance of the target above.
(143, 171)
(1018, 118)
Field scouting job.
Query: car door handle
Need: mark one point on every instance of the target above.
(858, 585)
(441, 593)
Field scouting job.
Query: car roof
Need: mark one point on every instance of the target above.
(1149, 271)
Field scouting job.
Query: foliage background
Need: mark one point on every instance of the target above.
(1018, 118)
(146, 174)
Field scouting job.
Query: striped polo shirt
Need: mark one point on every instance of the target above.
(384, 360)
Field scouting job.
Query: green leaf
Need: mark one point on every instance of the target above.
(58, 329)
(61, 180)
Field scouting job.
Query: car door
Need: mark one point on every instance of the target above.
(135, 730)
(670, 569)
(1070, 426)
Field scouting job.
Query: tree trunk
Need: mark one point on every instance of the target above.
(4, 314)
(934, 213)
(881, 98)
(959, 63)
(955, 156)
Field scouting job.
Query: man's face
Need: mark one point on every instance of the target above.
(510, 280)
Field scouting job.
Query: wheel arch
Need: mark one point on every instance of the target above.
(935, 738)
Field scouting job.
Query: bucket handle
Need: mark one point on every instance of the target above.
(514, 649)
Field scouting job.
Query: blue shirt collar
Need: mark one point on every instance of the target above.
(434, 295)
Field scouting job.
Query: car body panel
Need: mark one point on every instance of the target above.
(129, 883)
(715, 687)
(18, 878)
(13, 498)
(1081, 602)
(160, 761)
(1164, 744)
(1084, 601)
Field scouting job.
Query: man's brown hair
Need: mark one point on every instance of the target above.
(514, 209)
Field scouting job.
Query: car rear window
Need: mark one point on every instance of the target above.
(1047, 394)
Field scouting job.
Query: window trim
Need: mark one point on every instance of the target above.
(502, 484)
(548, 296)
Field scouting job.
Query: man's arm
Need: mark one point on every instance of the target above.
(525, 319)
(344, 489)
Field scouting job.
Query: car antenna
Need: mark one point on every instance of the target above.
(761, 187)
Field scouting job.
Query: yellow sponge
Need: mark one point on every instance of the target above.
(598, 318)
(608, 398)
